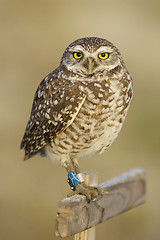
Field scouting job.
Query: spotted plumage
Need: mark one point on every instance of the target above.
(79, 108)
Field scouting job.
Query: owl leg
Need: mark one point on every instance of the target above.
(75, 165)
(78, 185)
(67, 164)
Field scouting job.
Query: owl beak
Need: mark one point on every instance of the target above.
(90, 64)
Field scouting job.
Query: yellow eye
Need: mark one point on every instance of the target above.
(77, 55)
(103, 55)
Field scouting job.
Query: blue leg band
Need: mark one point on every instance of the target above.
(73, 180)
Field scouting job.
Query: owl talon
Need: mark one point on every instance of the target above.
(91, 193)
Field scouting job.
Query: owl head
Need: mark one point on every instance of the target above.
(90, 56)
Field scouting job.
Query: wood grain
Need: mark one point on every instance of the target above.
(122, 193)
(91, 179)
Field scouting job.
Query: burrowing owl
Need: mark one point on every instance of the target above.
(79, 108)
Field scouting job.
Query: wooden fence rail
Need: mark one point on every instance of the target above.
(122, 193)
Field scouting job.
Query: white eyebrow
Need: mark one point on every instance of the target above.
(77, 48)
(104, 49)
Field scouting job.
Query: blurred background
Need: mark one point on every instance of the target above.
(33, 36)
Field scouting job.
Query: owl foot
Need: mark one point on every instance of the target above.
(91, 193)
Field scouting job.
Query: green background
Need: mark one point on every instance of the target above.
(33, 36)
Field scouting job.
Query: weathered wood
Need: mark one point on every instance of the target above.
(91, 179)
(122, 193)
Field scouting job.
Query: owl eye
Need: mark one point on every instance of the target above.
(103, 55)
(77, 55)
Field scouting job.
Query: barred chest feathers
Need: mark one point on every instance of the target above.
(99, 120)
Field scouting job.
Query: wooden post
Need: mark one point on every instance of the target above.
(75, 215)
(91, 179)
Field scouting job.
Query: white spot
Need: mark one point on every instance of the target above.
(121, 84)
(120, 102)
(72, 99)
(97, 85)
(109, 90)
(90, 105)
(127, 100)
(48, 110)
(66, 109)
(59, 74)
(129, 77)
(102, 90)
(105, 110)
(105, 102)
(46, 78)
(57, 117)
(91, 96)
(89, 90)
(47, 115)
(81, 88)
(38, 114)
(39, 93)
(100, 95)
(55, 102)
(40, 106)
(129, 86)
(106, 84)
(96, 101)
(120, 108)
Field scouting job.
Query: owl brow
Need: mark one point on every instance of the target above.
(73, 51)
(104, 49)
(77, 48)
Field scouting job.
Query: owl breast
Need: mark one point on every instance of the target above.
(98, 122)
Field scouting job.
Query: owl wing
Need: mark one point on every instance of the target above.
(55, 106)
